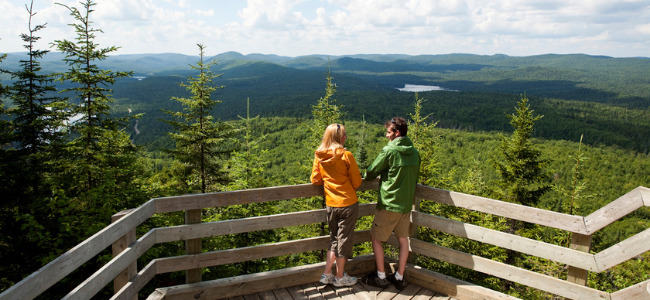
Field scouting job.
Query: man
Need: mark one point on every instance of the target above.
(398, 164)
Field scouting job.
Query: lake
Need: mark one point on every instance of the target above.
(422, 88)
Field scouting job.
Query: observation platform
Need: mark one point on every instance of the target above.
(301, 282)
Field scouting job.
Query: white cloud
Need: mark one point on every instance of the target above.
(299, 27)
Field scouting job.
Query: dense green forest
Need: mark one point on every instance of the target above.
(80, 142)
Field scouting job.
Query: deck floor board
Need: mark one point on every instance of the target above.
(359, 291)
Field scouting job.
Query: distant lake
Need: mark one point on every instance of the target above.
(422, 88)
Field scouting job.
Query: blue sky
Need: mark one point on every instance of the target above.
(619, 28)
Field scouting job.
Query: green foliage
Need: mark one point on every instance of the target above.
(246, 165)
(361, 154)
(89, 85)
(519, 162)
(30, 142)
(324, 113)
(200, 140)
(575, 192)
(426, 140)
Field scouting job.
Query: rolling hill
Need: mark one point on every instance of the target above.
(605, 98)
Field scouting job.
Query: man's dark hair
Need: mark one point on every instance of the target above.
(398, 124)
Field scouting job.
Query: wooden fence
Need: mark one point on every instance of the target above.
(128, 281)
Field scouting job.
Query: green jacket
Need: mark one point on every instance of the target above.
(398, 163)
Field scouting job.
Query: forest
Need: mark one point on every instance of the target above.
(85, 134)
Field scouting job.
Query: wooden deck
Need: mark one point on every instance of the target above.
(302, 283)
(358, 291)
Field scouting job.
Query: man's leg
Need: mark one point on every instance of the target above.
(378, 249)
(403, 254)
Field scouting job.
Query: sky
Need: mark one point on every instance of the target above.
(618, 28)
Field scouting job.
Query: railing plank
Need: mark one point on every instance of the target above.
(623, 251)
(134, 286)
(513, 242)
(223, 257)
(645, 194)
(198, 201)
(39, 281)
(114, 267)
(211, 229)
(120, 245)
(509, 210)
(451, 286)
(640, 290)
(508, 272)
(615, 210)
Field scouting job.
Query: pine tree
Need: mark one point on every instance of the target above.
(324, 113)
(247, 164)
(33, 138)
(521, 170)
(37, 118)
(361, 154)
(6, 133)
(422, 133)
(245, 168)
(201, 142)
(519, 163)
(101, 172)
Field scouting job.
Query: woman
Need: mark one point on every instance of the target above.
(335, 169)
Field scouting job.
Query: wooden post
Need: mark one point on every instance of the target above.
(120, 245)
(582, 243)
(193, 246)
(413, 230)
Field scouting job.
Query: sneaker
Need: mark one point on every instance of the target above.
(399, 284)
(345, 280)
(327, 278)
(372, 279)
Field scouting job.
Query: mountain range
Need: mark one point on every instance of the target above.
(580, 92)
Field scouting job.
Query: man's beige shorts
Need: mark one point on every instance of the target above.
(386, 222)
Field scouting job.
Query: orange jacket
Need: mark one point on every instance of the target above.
(337, 170)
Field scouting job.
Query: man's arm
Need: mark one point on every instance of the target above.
(379, 164)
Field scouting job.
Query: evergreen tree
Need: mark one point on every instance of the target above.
(361, 154)
(324, 113)
(247, 164)
(35, 139)
(101, 172)
(245, 168)
(521, 171)
(38, 120)
(519, 163)
(201, 142)
(422, 133)
(9, 270)
(6, 133)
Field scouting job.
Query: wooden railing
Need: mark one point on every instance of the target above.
(128, 281)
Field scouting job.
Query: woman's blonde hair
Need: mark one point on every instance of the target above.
(333, 137)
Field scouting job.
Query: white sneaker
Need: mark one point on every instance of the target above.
(327, 278)
(345, 280)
